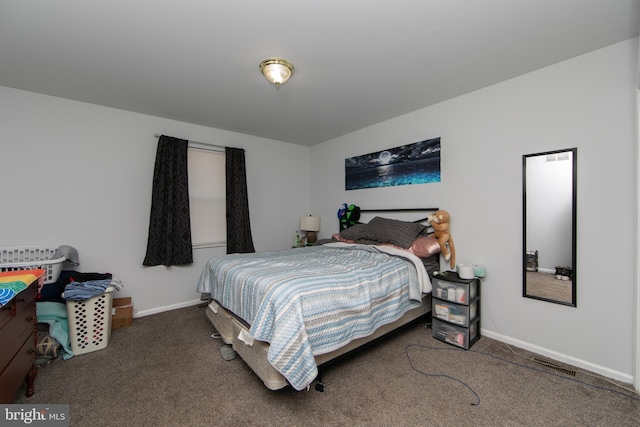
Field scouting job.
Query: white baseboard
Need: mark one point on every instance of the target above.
(579, 363)
(167, 308)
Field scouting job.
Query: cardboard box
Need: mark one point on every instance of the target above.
(121, 313)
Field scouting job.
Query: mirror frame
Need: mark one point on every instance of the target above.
(574, 151)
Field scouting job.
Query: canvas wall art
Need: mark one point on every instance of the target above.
(417, 163)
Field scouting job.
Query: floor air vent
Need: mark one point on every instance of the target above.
(554, 366)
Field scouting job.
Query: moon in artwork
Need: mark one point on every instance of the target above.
(384, 157)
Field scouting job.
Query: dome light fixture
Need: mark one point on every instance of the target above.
(277, 70)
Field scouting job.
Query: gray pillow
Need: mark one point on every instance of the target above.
(355, 232)
(384, 230)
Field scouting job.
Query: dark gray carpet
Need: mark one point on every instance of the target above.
(165, 370)
(545, 285)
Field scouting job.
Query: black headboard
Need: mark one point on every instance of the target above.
(427, 211)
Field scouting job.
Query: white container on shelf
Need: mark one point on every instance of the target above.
(465, 271)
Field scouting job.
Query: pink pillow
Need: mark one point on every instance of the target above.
(424, 247)
(339, 238)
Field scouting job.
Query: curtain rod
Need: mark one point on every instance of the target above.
(196, 143)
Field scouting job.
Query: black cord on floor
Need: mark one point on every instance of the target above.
(503, 360)
(439, 375)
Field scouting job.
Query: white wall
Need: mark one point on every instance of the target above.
(586, 102)
(80, 174)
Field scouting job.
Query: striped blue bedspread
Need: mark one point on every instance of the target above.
(314, 300)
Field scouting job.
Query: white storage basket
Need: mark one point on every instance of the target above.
(90, 322)
(32, 258)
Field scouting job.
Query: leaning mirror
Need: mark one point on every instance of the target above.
(549, 226)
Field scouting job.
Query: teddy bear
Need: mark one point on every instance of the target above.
(440, 221)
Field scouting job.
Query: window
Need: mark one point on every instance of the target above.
(207, 196)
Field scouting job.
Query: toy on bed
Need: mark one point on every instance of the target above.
(348, 215)
(440, 221)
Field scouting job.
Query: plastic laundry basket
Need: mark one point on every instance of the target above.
(31, 258)
(90, 322)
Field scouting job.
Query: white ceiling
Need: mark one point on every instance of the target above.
(358, 62)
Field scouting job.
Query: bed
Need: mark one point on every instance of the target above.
(286, 313)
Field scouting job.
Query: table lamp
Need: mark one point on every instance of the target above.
(310, 224)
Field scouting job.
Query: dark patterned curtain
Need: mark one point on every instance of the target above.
(239, 238)
(169, 241)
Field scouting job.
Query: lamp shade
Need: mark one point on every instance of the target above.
(310, 223)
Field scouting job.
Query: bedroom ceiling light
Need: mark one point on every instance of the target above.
(277, 70)
(310, 224)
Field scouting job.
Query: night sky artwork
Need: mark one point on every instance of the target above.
(417, 163)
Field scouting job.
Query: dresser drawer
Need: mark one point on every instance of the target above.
(6, 314)
(15, 334)
(449, 286)
(26, 298)
(19, 326)
(456, 335)
(458, 314)
(14, 374)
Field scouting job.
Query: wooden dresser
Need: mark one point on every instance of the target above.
(18, 339)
